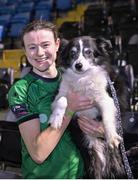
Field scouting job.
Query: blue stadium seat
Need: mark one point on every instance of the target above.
(13, 2)
(79, 1)
(8, 9)
(43, 14)
(1, 32)
(63, 5)
(16, 29)
(5, 19)
(29, 1)
(25, 7)
(23, 17)
(3, 2)
(48, 4)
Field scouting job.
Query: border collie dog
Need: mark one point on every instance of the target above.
(86, 63)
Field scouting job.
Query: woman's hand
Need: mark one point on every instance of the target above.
(78, 102)
(91, 127)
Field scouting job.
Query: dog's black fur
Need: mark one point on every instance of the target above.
(104, 52)
(117, 74)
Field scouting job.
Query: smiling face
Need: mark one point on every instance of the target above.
(41, 50)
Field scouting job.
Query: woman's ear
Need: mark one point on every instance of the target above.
(58, 44)
(24, 50)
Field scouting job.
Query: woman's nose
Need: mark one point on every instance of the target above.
(40, 51)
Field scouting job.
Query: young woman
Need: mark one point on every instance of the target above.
(46, 152)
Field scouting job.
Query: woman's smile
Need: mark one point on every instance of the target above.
(41, 49)
(41, 59)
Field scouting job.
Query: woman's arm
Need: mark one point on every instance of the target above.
(41, 144)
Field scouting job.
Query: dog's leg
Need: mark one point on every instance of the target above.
(108, 111)
(97, 159)
(59, 108)
(59, 105)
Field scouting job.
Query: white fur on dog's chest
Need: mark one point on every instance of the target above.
(90, 84)
(85, 71)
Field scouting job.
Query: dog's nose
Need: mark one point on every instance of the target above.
(78, 66)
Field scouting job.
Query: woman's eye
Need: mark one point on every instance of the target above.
(32, 47)
(45, 45)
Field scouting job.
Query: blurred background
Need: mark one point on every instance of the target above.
(115, 20)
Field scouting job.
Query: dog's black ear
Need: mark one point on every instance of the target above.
(104, 46)
(63, 44)
(60, 56)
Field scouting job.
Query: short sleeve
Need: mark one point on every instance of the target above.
(18, 102)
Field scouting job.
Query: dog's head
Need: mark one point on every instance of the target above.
(83, 52)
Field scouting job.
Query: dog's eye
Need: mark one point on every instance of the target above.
(72, 54)
(88, 52)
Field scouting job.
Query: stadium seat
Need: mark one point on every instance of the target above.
(16, 29)
(10, 145)
(23, 17)
(11, 59)
(25, 7)
(127, 30)
(44, 5)
(62, 5)
(13, 2)
(3, 2)
(132, 57)
(43, 14)
(5, 19)
(69, 30)
(1, 32)
(8, 9)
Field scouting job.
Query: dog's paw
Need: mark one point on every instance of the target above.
(55, 121)
(114, 140)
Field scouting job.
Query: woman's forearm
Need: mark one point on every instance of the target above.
(43, 143)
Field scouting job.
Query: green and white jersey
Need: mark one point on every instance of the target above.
(30, 98)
